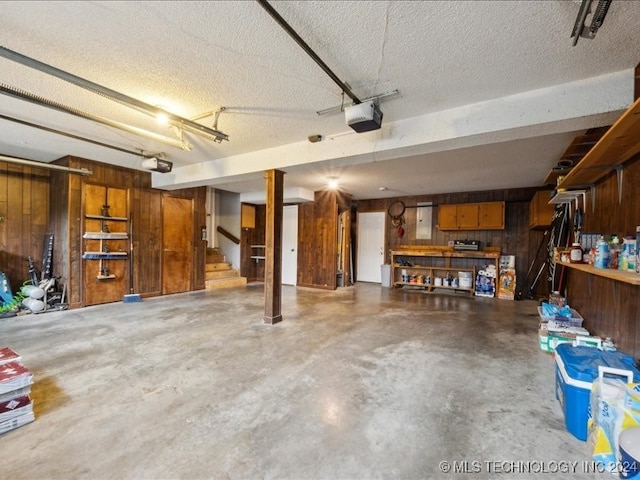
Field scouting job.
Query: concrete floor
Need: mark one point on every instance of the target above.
(360, 383)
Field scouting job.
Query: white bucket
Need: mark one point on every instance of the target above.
(466, 278)
(629, 446)
(437, 281)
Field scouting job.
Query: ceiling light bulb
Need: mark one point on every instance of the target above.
(333, 184)
(162, 118)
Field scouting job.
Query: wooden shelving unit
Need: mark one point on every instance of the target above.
(617, 275)
(619, 144)
(415, 253)
(261, 248)
(104, 253)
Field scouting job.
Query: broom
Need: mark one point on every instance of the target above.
(131, 297)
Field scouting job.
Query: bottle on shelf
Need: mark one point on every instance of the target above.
(575, 255)
(602, 253)
(614, 252)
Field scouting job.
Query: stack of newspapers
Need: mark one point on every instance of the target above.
(16, 407)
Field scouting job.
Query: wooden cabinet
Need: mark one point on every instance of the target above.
(467, 216)
(540, 210)
(247, 216)
(447, 217)
(471, 216)
(491, 215)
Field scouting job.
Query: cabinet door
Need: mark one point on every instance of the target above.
(105, 281)
(540, 211)
(447, 218)
(491, 215)
(468, 214)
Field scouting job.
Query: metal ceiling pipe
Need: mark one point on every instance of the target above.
(33, 163)
(121, 98)
(283, 23)
(69, 135)
(43, 102)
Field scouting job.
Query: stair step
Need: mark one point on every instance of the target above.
(215, 255)
(210, 267)
(225, 282)
(221, 274)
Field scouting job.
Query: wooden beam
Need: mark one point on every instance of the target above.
(273, 250)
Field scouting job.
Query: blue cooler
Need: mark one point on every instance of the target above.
(576, 369)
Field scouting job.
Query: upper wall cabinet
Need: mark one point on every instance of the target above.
(540, 210)
(471, 216)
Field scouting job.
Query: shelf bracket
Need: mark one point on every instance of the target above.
(619, 175)
(592, 190)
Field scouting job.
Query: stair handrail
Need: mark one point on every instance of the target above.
(229, 235)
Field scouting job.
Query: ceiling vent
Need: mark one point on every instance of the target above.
(363, 117)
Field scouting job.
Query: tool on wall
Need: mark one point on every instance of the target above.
(396, 211)
(131, 297)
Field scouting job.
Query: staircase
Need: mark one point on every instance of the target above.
(218, 272)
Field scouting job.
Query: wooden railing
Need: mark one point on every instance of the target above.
(229, 235)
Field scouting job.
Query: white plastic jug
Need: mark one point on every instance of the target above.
(629, 446)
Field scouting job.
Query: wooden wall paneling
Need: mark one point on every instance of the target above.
(305, 237)
(147, 242)
(608, 310)
(15, 222)
(317, 244)
(4, 195)
(24, 193)
(251, 268)
(515, 239)
(200, 244)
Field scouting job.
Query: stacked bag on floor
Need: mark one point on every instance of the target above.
(16, 407)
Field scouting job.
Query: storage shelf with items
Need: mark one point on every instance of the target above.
(111, 245)
(258, 249)
(430, 268)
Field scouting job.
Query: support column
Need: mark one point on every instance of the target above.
(273, 250)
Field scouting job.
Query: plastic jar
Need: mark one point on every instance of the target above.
(575, 256)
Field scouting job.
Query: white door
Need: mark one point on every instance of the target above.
(290, 245)
(370, 246)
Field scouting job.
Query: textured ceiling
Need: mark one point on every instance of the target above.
(491, 93)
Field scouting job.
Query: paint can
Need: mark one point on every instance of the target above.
(629, 447)
(466, 278)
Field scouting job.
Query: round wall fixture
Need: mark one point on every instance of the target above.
(565, 163)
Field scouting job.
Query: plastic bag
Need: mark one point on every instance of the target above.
(615, 406)
(550, 310)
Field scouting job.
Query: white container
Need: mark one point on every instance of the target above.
(602, 253)
(629, 446)
(385, 273)
(466, 279)
(437, 281)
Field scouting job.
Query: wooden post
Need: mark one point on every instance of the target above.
(636, 83)
(273, 250)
